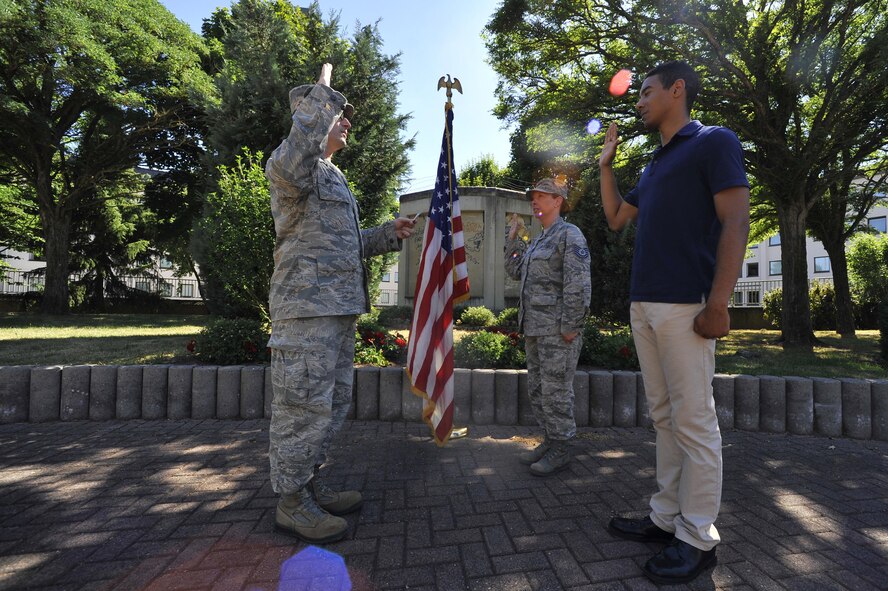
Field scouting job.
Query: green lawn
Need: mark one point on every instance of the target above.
(756, 352)
(122, 339)
(102, 339)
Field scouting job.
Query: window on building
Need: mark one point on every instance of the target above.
(143, 285)
(384, 298)
(879, 224)
(738, 298)
(753, 298)
(396, 276)
(752, 269)
(775, 268)
(774, 240)
(166, 289)
(386, 277)
(165, 264)
(186, 290)
(821, 265)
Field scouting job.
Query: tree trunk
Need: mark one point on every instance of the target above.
(56, 229)
(844, 307)
(97, 292)
(797, 329)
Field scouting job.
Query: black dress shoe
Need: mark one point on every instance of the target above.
(638, 530)
(679, 562)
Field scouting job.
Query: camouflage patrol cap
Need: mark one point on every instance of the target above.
(300, 92)
(555, 186)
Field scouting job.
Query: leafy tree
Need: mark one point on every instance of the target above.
(484, 172)
(610, 252)
(868, 268)
(836, 217)
(235, 240)
(803, 85)
(19, 222)
(262, 49)
(112, 238)
(88, 90)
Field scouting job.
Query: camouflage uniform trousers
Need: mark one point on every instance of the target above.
(550, 383)
(312, 370)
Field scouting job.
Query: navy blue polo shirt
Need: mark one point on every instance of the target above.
(678, 230)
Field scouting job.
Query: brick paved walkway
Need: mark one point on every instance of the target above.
(165, 505)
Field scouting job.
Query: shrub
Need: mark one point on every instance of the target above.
(233, 243)
(477, 316)
(367, 354)
(868, 267)
(508, 317)
(772, 305)
(883, 331)
(823, 306)
(482, 349)
(231, 341)
(395, 316)
(376, 346)
(369, 321)
(613, 349)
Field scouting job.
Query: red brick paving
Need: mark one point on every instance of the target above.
(165, 505)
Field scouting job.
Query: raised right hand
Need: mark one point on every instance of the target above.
(609, 149)
(516, 223)
(326, 73)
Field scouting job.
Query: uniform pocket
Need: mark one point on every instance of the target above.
(301, 375)
(540, 299)
(331, 187)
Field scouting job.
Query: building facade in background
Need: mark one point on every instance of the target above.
(763, 270)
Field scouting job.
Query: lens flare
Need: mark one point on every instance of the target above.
(593, 127)
(620, 82)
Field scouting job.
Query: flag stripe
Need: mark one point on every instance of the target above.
(441, 280)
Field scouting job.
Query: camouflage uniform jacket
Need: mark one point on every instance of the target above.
(320, 249)
(556, 285)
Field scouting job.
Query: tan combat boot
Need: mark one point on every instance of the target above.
(337, 503)
(556, 458)
(536, 454)
(298, 514)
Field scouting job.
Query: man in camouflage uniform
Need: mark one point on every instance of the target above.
(318, 288)
(555, 292)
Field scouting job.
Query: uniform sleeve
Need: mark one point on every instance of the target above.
(723, 161)
(294, 160)
(380, 240)
(577, 281)
(514, 257)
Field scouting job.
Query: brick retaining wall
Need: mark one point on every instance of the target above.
(834, 407)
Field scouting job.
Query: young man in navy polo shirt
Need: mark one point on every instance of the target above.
(692, 210)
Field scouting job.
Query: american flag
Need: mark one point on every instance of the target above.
(442, 281)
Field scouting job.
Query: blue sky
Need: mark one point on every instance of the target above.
(433, 39)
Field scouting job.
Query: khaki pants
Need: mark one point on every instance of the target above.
(678, 366)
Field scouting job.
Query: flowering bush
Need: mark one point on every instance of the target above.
(231, 341)
(374, 345)
(612, 349)
(491, 348)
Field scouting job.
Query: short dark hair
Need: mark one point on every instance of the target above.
(669, 72)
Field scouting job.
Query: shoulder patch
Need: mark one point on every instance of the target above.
(581, 252)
